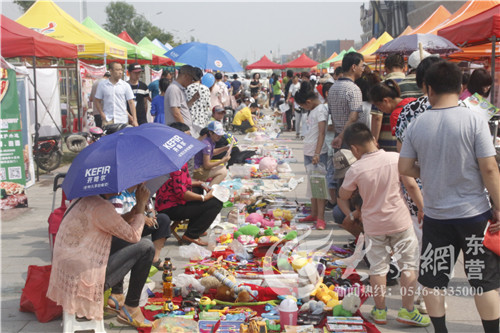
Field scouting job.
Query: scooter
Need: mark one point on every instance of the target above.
(47, 153)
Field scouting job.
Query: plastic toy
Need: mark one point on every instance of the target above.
(169, 306)
(206, 303)
(327, 296)
(255, 326)
(349, 306)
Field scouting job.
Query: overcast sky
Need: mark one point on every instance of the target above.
(247, 30)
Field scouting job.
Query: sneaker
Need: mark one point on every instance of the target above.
(379, 316)
(421, 307)
(413, 318)
(320, 225)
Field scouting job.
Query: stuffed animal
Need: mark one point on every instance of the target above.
(349, 306)
(314, 307)
(230, 288)
(327, 296)
(251, 230)
(259, 220)
(291, 235)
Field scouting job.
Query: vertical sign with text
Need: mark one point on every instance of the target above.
(12, 173)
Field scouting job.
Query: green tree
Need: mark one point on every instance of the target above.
(24, 4)
(244, 63)
(122, 16)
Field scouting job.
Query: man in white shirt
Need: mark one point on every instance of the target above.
(112, 97)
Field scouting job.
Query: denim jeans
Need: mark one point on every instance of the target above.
(125, 257)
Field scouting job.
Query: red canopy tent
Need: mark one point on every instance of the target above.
(19, 41)
(265, 63)
(482, 28)
(301, 62)
(126, 37)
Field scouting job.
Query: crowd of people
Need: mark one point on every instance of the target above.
(405, 162)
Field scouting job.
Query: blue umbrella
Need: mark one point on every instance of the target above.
(407, 44)
(204, 56)
(131, 156)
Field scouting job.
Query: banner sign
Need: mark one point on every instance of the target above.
(88, 75)
(12, 168)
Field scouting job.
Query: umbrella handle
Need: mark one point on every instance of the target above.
(421, 50)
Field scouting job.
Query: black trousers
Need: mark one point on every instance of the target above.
(200, 214)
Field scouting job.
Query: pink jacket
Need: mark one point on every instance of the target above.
(81, 254)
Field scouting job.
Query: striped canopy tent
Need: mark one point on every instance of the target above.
(48, 18)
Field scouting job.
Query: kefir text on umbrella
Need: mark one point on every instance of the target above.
(98, 171)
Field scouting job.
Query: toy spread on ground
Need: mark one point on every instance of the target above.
(257, 275)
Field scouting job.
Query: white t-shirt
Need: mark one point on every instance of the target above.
(294, 88)
(114, 100)
(315, 116)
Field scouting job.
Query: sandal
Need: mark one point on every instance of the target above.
(309, 218)
(116, 308)
(157, 264)
(132, 322)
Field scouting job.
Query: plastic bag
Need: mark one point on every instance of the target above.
(317, 180)
(239, 250)
(34, 299)
(174, 324)
(194, 252)
(187, 283)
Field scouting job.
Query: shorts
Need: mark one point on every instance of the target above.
(330, 169)
(402, 246)
(442, 242)
(338, 215)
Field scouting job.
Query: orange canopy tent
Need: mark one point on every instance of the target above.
(408, 30)
(439, 16)
(483, 28)
(367, 45)
(469, 9)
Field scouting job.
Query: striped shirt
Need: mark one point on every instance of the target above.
(344, 97)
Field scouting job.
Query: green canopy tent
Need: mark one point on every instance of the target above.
(147, 44)
(134, 52)
(337, 58)
(326, 64)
